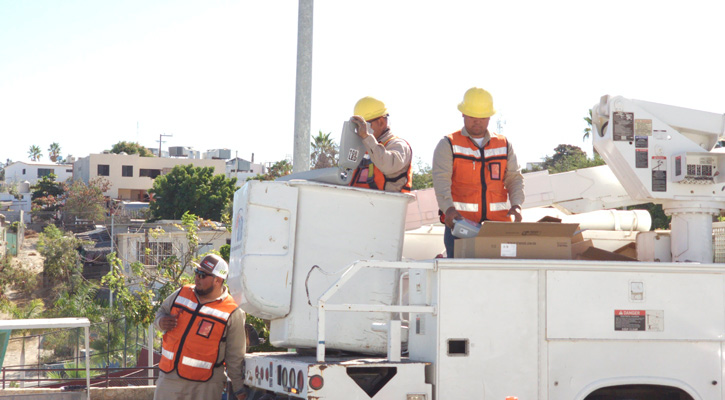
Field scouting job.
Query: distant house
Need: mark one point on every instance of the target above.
(32, 171)
(164, 239)
(130, 175)
(243, 169)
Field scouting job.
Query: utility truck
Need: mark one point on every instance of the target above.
(324, 264)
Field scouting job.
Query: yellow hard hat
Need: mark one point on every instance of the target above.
(370, 108)
(477, 103)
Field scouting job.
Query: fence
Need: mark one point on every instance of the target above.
(118, 354)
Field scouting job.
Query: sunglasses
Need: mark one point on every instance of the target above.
(201, 274)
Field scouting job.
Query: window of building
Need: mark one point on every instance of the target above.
(69, 170)
(127, 170)
(157, 252)
(44, 172)
(104, 170)
(151, 173)
(23, 171)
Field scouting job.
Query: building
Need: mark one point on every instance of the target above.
(243, 169)
(32, 171)
(130, 175)
(164, 239)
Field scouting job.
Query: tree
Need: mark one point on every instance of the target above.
(62, 266)
(191, 189)
(588, 129)
(140, 294)
(34, 153)
(131, 148)
(47, 197)
(422, 176)
(86, 201)
(278, 169)
(54, 152)
(567, 158)
(324, 151)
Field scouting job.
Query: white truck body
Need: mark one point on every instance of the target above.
(492, 328)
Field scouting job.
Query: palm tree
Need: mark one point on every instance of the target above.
(324, 151)
(34, 153)
(588, 129)
(54, 152)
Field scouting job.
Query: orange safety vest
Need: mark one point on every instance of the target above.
(477, 182)
(193, 346)
(368, 176)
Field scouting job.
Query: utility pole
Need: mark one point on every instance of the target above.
(303, 92)
(162, 141)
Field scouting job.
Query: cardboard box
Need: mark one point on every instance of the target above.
(597, 254)
(525, 240)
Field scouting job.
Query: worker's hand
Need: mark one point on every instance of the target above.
(515, 214)
(167, 323)
(451, 216)
(362, 126)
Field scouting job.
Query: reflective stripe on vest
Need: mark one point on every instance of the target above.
(368, 176)
(192, 347)
(477, 185)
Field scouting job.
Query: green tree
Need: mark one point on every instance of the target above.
(568, 158)
(47, 197)
(131, 148)
(191, 189)
(86, 201)
(139, 294)
(34, 153)
(422, 176)
(278, 169)
(54, 152)
(324, 151)
(62, 266)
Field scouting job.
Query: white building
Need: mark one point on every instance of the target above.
(130, 175)
(243, 169)
(32, 171)
(164, 239)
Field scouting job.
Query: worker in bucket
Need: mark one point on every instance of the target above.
(387, 163)
(203, 329)
(475, 172)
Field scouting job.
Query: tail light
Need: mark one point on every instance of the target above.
(316, 382)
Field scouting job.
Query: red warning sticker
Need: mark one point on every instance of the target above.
(639, 320)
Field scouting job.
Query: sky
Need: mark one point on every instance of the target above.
(221, 74)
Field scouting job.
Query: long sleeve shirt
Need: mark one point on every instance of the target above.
(392, 159)
(442, 172)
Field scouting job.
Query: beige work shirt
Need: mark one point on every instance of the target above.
(171, 386)
(442, 172)
(392, 159)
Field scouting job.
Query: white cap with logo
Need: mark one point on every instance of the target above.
(215, 265)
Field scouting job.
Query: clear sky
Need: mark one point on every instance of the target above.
(221, 74)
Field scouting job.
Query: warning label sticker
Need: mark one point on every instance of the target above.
(640, 159)
(643, 127)
(623, 126)
(639, 320)
(659, 173)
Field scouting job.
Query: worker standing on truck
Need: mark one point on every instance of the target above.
(475, 172)
(203, 330)
(387, 163)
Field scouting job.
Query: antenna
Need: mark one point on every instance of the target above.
(162, 141)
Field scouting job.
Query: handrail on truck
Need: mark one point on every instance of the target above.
(393, 328)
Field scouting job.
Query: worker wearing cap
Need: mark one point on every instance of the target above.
(387, 163)
(203, 330)
(475, 172)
